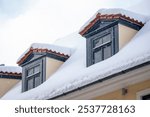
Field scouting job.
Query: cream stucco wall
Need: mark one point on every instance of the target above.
(131, 95)
(6, 85)
(51, 66)
(125, 35)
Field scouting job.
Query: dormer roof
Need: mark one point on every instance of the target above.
(40, 48)
(10, 72)
(114, 14)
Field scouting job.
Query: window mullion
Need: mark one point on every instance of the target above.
(34, 81)
(103, 52)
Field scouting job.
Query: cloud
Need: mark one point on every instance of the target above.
(144, 7)
(13, 8)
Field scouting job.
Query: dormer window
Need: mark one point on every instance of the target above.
(108, 33)
(39, 62)
(34, 75)
(102, 47)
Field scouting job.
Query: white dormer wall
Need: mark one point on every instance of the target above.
(52, 66)
(125, 35)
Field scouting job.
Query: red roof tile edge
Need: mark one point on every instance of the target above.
(40, 51)
(10, 73)
(112, 16)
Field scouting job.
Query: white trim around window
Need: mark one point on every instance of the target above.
(142, 93)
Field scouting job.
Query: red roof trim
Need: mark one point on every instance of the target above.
(31, 50)
(10, 73)
(109, 17)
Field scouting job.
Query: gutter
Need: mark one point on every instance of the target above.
(104, 79)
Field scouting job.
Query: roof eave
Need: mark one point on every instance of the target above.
(103, 79)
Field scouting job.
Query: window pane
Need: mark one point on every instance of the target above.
(30, 72)
(107, 38)
(38, 80)
(97, 42)
(30, 83)
(37, 69)
(102, 40)
(107, 51)
(97, 56)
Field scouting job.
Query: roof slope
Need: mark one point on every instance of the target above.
(73, 73)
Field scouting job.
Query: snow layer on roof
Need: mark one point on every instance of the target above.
(61, 49)
(74, 74)
(71, 40)
(10, 69)
(130, 14)
(143, 7)
(52, 47)
(136, 16)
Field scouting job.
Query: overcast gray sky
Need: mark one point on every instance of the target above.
(23, 22)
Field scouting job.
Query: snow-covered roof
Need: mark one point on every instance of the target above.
(10, 69)
(115, 13)
(74, 74)
(49, 48)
